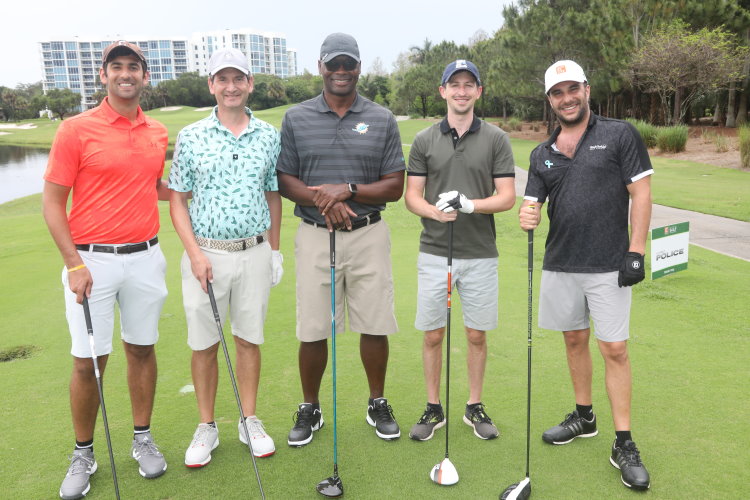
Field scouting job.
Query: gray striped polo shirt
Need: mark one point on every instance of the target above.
(319, 147)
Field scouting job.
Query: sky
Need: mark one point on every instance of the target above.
(383, 28)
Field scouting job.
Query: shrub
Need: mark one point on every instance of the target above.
(514, 123)
(721, 143)
(744, 136)
(648, 132)
(672, 139)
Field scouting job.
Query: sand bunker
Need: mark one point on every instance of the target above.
(25, 126)
(170, 108)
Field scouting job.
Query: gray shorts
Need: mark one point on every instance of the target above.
(475, 280)
(567, 300)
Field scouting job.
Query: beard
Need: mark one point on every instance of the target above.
(578, 118)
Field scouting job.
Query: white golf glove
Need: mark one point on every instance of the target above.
(277, 270)
(453, 200)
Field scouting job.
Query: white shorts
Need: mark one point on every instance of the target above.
(242, 284)
(475, 280)
(135, 282)
(567, 300)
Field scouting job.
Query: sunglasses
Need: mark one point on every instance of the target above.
(348, 64)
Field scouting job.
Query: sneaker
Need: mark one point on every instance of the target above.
(633, 473)
(380, 416)
(572, 427)
(306, 420)
(205, 440)
(151, 462)
(477, 418)
(431, 419)
(76, 483)
(262, 442)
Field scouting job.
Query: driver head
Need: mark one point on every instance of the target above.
(331, 487)
(444, 473)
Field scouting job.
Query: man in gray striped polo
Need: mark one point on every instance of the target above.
(341, 162)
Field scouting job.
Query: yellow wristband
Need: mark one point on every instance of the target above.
(76, 268)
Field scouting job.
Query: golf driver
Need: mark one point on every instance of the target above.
(234, 383)
(522, 489)
(332, 486)
(445, 472)
(90, 329)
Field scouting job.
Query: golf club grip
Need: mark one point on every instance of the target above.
(212, 299)
(531, 249)
(87, 315)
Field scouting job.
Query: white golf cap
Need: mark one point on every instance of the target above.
(228, 58)
(563, 71)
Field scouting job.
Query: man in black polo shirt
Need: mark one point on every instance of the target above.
(465, 165)
(590, 168)
(341, 162)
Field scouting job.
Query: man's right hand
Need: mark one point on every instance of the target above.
(80, 283)
(529, 217)
(202, 270)
(339, 216)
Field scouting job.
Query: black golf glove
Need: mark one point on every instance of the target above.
(632, 270)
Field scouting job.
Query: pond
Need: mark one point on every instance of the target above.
(21, 171)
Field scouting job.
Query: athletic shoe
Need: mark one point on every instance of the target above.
(477, 418)
(205, 440)
(76, 483)
(632, 471)
(262, 442)
(380, 416)
(151, 462)
(431, 419)
(572, 427)
(306, 420)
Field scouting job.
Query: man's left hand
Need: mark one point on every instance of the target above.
(327, 195)
(632, 270)
(277, 270)
(453, 200)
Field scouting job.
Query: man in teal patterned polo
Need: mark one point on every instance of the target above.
(230, 231)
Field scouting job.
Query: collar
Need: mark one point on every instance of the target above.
(112, 116)
(322, 106)
(553, 138)
(214, 117)
(446, 128)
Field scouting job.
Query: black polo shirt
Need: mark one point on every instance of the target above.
(588, 195)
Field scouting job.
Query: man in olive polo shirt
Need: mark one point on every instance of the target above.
(461, 172)
(341, 162)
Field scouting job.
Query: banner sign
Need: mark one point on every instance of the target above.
(669, 249)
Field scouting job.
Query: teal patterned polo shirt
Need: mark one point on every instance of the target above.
(228, 176)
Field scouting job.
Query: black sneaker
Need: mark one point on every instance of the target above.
(380, 416)
(632, 471)
(431, 419)
(572, 427)
(306, 420)
(477, 418)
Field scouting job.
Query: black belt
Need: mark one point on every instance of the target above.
(359, 223)
(122, 249)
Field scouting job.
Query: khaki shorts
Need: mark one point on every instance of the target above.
(364, 282)
(135, 282)
(242, 283)
(567, 300)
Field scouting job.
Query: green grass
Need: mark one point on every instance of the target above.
(689, 349)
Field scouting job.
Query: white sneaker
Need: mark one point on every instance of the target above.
(262, 442)
(205, 440)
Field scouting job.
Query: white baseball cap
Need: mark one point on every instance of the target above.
(563, 71)
(227, 58)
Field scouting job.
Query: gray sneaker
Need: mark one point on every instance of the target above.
(431, 419)
(76, 483)
(477, 418)
(150, 461)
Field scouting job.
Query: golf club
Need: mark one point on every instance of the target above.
(522, 489)
(234, 382)
(90, 329)
(332, 486)
(445, 472)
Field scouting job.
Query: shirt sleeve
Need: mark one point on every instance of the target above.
(271, 180)
(393, 154)
(417, 160)
(288, 160)
(64, 157)
(535, 188)
(634, 160)
(181, 175)
(504, 165)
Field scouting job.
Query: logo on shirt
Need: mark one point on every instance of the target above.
(361, 128)
(548, 164)
(597, 146)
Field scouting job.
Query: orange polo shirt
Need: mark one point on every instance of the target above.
(112, 164)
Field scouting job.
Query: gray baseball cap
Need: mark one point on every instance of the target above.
(228, 58)
(338, 44)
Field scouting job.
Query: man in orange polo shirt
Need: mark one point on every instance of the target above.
(112, 158)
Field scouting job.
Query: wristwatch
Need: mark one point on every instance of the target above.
(352, 189)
